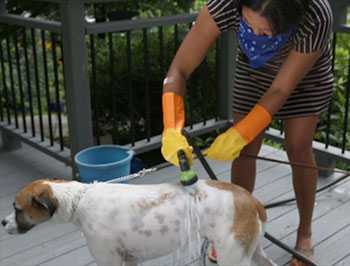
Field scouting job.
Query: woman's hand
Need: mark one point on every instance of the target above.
(190, 54)
(172, 142)
(228, 145)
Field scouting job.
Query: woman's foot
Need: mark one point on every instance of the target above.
(304, 246)
(309, 253)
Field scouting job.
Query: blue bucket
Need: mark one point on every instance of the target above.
(103, 163)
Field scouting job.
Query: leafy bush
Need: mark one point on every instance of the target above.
(113, 110)
(339, 101)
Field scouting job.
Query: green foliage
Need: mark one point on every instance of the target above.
(115, 76)
(198, 4)
(9, 55)
(144, 8)
(32, 7)
(111, 90)
(339, 100)
(273, 144)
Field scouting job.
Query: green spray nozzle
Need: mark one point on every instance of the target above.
(188, 177)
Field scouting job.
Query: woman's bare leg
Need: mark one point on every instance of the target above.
(298, 142)
(243, 169)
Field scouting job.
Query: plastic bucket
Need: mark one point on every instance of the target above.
(103, 163)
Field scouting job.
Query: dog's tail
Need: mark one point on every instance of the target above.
(261, 211)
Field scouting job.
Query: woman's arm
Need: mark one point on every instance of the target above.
(191, 52)
(228, 145)
(293, 70)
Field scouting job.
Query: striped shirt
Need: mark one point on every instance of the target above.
(313, 93)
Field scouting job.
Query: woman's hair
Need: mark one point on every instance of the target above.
(281, 14)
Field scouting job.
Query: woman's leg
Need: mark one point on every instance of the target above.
(299, 134)
(243, 168)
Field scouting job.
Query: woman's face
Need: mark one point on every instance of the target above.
(257, 23)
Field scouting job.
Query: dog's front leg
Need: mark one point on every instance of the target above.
(109, 260)
(104, 256)
(113, 258)
(115, 261)
(130, 263)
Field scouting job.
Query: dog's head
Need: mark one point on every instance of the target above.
(33, 205)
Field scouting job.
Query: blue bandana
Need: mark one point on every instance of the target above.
(259, 49)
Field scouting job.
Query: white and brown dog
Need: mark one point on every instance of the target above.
(127, 224)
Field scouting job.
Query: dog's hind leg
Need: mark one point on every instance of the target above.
(260, 258)
(231, 253)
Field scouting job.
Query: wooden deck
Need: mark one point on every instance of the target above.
(57, 244)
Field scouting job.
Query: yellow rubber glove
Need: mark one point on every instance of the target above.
(172, 142)
(228, 145)
(174, 120)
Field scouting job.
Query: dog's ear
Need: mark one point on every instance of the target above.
(44, 201)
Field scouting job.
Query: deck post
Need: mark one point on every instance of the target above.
(3, 7)
(8, 142)
(227, 46)
(339, 8)
(76, 75)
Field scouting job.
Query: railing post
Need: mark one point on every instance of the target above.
(3, 7)
(76, 75)
(340, 11)
(227, 46)
(8, 142)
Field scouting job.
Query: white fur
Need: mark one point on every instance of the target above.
(128, 224)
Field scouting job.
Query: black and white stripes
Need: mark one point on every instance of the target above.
(314, 92)
(225, 13)
(314, 33)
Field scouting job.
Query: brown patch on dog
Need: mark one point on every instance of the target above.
(58, 180)
(30, 197)
(152, 203)
(247, 209)
(261, 210)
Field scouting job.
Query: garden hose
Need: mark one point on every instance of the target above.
(187, 177)
(274, 240)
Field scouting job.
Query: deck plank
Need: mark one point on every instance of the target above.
(57, 244)
(323, 228)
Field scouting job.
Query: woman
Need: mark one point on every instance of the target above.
(283, 71)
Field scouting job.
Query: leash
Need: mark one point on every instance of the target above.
(141, 173)
(274, 240)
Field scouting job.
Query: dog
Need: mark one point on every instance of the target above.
(128, 224)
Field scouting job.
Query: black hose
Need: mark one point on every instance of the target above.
(200, 156)
(283, 202)
(290, 250)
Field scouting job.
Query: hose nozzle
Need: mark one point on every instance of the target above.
(188, 177)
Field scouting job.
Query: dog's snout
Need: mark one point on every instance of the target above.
(4, 222)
